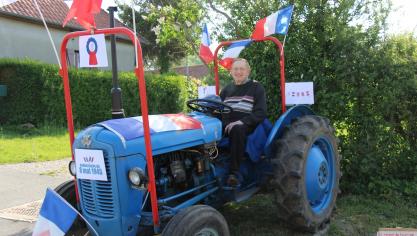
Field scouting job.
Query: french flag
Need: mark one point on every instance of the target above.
(55, 217)
(132, 127)
(205, 53)
(233, 52)
(277, 23)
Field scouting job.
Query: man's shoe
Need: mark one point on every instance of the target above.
(233, 181)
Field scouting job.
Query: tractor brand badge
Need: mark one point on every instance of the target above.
(86, 140)
(93, 51)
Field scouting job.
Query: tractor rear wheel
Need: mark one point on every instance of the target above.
(306, 173)
(198, 220)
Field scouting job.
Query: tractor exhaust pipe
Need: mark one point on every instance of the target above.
(116, 92)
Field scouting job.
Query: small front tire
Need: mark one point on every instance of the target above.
(67, 191)
(198, 220)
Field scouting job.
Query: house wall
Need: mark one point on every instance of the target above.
(20, 39)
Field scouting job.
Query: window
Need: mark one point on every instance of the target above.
(73, 58)
(76, 58)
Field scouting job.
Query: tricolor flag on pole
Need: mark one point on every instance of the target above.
(277, 23)
(233, 52)
(205, 52)
(83, 11)
(55, 217)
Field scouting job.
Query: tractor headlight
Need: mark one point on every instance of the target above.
(72, 168)
(136, 176)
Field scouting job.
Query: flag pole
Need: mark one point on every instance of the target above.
(49, 33)
(283, 43)
(134, 30)
(285, 37)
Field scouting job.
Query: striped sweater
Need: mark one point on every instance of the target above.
(248, 103)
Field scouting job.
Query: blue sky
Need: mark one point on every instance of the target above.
(404, 17)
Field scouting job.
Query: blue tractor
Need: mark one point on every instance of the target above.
(166, 174)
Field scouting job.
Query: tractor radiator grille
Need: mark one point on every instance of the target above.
(97, 196)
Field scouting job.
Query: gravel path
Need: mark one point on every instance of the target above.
(51, 168)
(21, 185)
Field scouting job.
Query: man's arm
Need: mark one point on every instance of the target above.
(259, 108)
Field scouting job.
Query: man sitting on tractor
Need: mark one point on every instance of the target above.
(247, 98)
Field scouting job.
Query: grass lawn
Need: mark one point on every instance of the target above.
(31, 145)
(355, 215)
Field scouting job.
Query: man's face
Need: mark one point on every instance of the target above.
(240, 72)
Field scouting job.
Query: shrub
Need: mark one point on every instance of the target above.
(35, 94)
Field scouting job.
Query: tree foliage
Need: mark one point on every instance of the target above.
(171, 28)
(381, 143)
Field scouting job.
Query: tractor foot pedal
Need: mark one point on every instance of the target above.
(246, 194)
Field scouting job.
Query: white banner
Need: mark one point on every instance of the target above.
(90, 164)
(93, 51)
(204, 91)
(299, 93)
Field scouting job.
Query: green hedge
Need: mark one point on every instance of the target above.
(35, 94)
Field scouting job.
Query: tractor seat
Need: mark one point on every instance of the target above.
(256, 141)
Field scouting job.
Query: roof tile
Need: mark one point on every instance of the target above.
(54, 12)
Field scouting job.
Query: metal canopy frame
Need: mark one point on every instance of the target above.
(139, 72)
(280, 50)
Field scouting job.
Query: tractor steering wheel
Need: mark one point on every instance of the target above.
(206, 105)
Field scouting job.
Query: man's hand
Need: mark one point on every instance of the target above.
(229, 127)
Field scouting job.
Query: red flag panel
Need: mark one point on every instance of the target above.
(83, 11)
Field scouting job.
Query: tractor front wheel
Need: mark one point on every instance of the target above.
(67, 191)
(197, 220)
(306, 173)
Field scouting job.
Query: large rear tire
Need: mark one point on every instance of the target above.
(306, 173)
(197, 220)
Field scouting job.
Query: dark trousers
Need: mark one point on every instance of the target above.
(237, 143)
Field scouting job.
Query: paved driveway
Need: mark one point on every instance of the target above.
(24, 183)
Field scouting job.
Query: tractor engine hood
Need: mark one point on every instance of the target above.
(169, 132)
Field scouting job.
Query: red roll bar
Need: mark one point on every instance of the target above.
(280, 50)
(142, 99)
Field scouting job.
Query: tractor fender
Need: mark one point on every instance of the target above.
(282, 122)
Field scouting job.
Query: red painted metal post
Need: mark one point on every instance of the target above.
(149, 159)
(216, 76)
(143, 102)
(68, 105)
(280, 50)
(216, 64)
